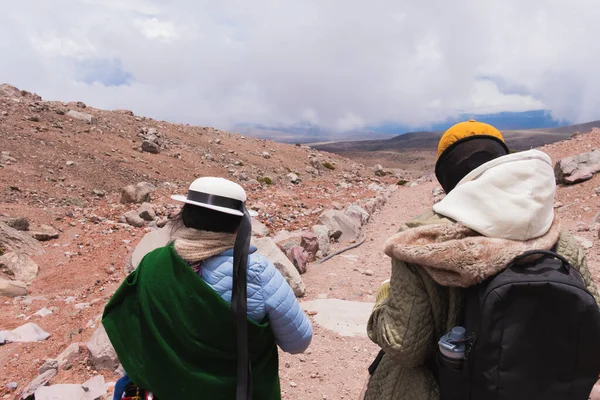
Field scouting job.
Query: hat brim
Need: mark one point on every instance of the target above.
(183, 199)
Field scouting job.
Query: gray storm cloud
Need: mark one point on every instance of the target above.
(341, 64)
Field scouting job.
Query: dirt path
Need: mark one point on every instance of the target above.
(335, 366)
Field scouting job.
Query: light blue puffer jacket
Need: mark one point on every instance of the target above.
(268, 295)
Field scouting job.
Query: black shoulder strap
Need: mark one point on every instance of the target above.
(544, 253)
(239, 307)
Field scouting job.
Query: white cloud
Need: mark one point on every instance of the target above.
(152, 28)
(339, 63)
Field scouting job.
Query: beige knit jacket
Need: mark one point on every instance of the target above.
(418, 310)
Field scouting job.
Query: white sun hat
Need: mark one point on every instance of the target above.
(217, 194)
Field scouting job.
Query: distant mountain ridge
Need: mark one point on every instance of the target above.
(305, 132)
(404, 151)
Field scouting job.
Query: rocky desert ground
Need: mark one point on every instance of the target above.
(79, 187)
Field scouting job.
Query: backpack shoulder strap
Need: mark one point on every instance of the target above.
(544, 254)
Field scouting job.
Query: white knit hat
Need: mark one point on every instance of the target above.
(217, 194)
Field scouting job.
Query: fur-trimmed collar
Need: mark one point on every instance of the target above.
(454, 255)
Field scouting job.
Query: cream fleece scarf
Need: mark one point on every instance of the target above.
(454, 255)
(194, 245)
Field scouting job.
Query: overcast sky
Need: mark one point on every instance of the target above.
(337, 63)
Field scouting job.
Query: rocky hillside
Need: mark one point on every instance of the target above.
(68, 157)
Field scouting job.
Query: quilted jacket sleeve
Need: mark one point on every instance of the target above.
(402, 323)
(292, 329)
(569, 248)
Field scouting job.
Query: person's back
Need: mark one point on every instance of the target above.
(171, 321)
(497, 207)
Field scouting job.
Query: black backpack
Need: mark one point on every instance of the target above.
(532, 333)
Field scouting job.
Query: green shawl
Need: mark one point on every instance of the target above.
(175, 336)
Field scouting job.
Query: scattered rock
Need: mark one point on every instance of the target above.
(14, 240)
(368, 272)
(378, 169)
(558, 204)
(265, 154)
(81, 116)
(585, 243)
(322, 232)
(310, 243)
(27, 333)
(133, 219)
(61, 391)
(99, 193)
(102, 354)
(376, 187)
(162, 222)
(597, 190)
(19, 223)
(293, 178)
(217, 141)
(150, 147)
(299, 257)
(12, 288)
(579, 176)
(94, 388)
(358, 214)
(582, 227)
(596, 219)
(70, 163)
(48, 365)
(45, 233)
(19, 265)
(44, 312)
(267, 247)
(577, 168)
(259, 229)
(139, 193)
(337, 221)
(38, 382)
(68, 355)
(438, 194)
(146, 212)
(12, 385)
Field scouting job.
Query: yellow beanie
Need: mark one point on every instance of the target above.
(465, 129)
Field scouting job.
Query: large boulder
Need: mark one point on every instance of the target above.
(310, 243)
(337, 220)
(358, 214)
(259, 229)
(14, 240)
(577, 168)
(81, 116)
(150, 147)
(286, 240)
(147, 212)
(299, 257)
(269, 249)
(133, 218)
(102, 353)
(44, 233)
(12, 288)
(19, 265)
(139, 193)
(38, 382)
(27, 333)
(322, 232)
(151, 241)
(379, 171)
(18, 223)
